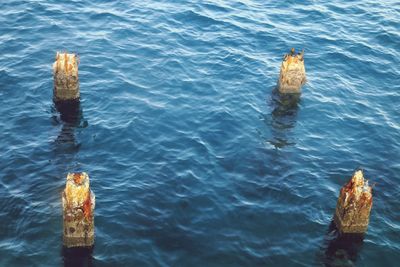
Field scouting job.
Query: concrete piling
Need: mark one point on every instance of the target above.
(66, 81)
(354, 205)
(292, 74)
(78, 203)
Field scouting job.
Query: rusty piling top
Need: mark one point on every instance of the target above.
(66, 80)
(357, 188)
(354, 205)
(292, 73)
(77, 189)
(66, 63)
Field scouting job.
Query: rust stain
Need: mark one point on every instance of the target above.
(357, 189)
(78, 178)
(87, 208)
(77, 189)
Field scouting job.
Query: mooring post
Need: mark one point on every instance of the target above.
(354, 205)
(293, 73)
(66, 81)
(78, 203)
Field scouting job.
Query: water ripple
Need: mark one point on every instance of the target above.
(194, 157)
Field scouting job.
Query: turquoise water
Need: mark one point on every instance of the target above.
(194, 157)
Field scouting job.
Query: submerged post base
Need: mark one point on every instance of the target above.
(77, 256)
(81, 242)
(349, 228)
(70, 110)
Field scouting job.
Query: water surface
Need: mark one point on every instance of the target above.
(194, 157)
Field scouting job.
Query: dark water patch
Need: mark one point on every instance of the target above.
(283, 117)
(78, 257)
(340, 249)
(196, 18)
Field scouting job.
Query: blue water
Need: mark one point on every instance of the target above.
(194, 157)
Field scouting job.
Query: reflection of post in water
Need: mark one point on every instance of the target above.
(76, 257)
(284, 115)
(71, 118)
(341, 249)
(70, 111)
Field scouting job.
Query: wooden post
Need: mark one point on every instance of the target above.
(78, 211)
(293, 73)
(354, 205)
(66, 81)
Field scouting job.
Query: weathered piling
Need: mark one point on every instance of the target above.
(66, 80)
(354, 205)
(78, 203)
(293, 73)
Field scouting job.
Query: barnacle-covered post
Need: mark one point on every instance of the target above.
(78, 203)
(354, 205)
(293, 73)
(66, 87)
(66, 81)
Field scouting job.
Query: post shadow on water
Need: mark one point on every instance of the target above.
(71, 117)
(340, 249)
(284, 116)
